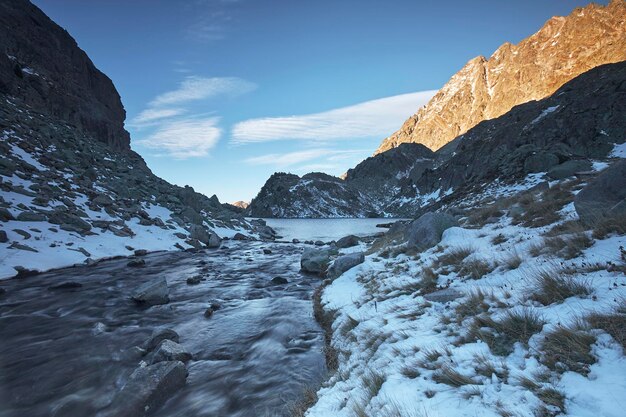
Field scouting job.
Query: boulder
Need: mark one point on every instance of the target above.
(3, 237)
(148, 387)
(195, 280)
(69, 285)
(169, 350)
(315, 260)
(31, 216)
(199, 233)
(344, 263)
(540, 162)
(605, 196)
(5, 215)
(240, 236)
(347, 241)
(152, 293)
(569, 168)
(158, 336)
(266, 233)
(267, 251)
(214, 241)
(141, 252)
(426, 231)
(69, 221)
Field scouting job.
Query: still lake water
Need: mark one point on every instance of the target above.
(326, 229)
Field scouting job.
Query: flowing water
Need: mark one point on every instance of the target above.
(66, 352)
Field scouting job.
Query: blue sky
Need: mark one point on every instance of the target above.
(222, 93)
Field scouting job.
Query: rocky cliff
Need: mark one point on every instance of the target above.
(484, 89)
(71, 190)
(41, 64)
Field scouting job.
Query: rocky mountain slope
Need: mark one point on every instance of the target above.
(366, 190)
(563, 134)
(483, 89)
(71, 189)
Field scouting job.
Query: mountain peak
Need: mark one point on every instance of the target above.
(483, 89)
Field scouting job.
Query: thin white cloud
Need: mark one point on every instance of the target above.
(152, 115)
(371, 118)
(185, 138)
(195, 88)
(292, 158)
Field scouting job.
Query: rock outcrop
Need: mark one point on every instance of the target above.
(41, 64)
(484, 89)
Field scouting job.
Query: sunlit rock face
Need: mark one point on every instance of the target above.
(483, 89)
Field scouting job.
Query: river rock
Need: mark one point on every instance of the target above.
(240, 236)
(315, 260)
(279, 281)
(214, 240)
(3, 237)
(151, 293)
(347, 241)
(605, 196)
(426, 231)
(158, 336)
(69, 285)
(195, 280)
(141, 252)
(134, 263)
(169, 350)
(148, 387)
(267, 251)
(344, 263)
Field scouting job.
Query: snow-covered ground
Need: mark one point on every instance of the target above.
(403, 355)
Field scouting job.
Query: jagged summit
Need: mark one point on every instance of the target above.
(483, 89)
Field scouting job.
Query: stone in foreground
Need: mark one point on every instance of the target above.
(149, 387)
(443, 296)
(152, 293)
(605, 196)
(315, 260)
(426, 232)
(344, 263)
(169, 350)
(159, 336)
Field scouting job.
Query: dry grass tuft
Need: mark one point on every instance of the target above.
(612, 323)
(484, 215)
(487, 367)
(475, 268)
(569, 247)
(473, 305)
(513, 261)
(373, 382)
(555, 287)
(608, 225)
(501, 336)
(542, 209)
(498, 239)
(325, 320)
(429, 280)
(447, 375)
(453, 257)
(307, 400)
(567, 349)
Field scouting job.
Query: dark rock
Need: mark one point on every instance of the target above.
(540, 162)
(278, 281)
(31, 216)
(158, 336)
(319, 243)
(5, 215)
(208, 313)
(605, 196)
(195, 280)
(134, 263)
(148, 387)
(23, 233)
(152, 293)
(140, 252)
(295, 241)
(568, 169)
(267, 251)
(20, 246)
(344, 263)
(240, 236)
(347, 241)
(69, 285)
(169, 350)
(3, 237)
